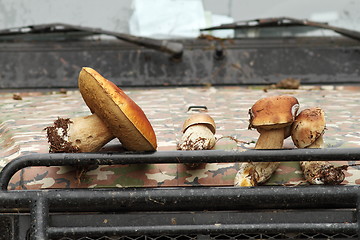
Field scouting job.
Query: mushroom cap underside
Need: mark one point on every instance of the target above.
(124, 118)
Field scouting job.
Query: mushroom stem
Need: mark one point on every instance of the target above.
(321, 172)
(271, 139)
(81, 134)
(198, 134)
(254, 173)
(197, 137)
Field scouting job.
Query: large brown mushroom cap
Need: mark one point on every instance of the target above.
(308, 126)
(273, 112)
(124, 118)
(200, 118)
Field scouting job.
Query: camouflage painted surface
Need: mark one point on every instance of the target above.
(22, 124)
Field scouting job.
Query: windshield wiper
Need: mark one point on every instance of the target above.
(284, 21)
(173, 48)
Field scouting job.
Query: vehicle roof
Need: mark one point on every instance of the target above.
(22, 124)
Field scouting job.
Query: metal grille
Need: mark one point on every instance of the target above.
(6, 229)
(317, 236)
(271, 212)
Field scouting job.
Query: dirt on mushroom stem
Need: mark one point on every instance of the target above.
(322, 172)
(55, 136)
(197, 137)
(59, 136)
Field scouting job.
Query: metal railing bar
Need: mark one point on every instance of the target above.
(202, 156)
(42, 203)
(186, 198)
(330, 228)
(39, 218)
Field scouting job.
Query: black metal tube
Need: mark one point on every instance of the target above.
(174, 48)
(206, 229)
(203, 156)
(189, 198)
(357, 216)
(155, 199)
(186, 198)
(39, 219)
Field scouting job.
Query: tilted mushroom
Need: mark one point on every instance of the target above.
(272, 117)
(124, 118)
(307, 132)
(198, 133)
(114, 114)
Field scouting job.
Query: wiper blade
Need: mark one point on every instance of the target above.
(170, 47)
(284, 21)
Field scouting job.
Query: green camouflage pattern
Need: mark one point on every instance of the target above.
(22, 124)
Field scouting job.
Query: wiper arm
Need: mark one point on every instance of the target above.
(285, 21)
(173, 48)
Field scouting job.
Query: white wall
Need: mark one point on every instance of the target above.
(108, 14)
(114, 14)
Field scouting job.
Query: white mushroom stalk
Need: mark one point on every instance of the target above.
(307, 132)
(197, 137)
(271, 117)
(198, 134)
(81, 134)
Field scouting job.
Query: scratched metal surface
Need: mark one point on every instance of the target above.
(22, 124)
(205, 61)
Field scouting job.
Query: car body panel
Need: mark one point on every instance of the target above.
(22, 132)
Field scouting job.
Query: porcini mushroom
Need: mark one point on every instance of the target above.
(307, 132)
(114, 114)
(198, 133)
(272, 117)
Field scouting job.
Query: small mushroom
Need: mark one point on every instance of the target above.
(272, 117)
(114, 114)
(198, 133)
(307, 132)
